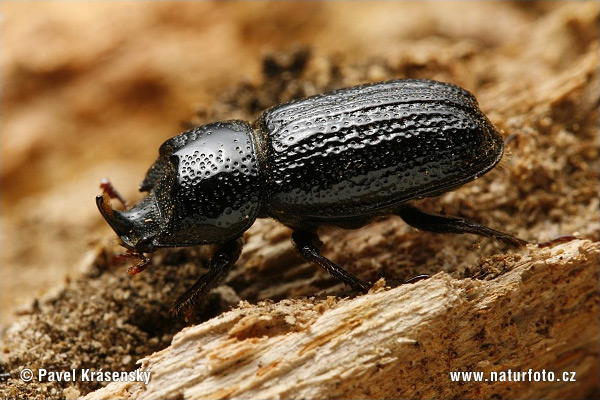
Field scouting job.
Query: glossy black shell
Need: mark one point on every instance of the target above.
(338, 158)
(360, 151)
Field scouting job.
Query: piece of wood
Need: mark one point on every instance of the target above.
(398, 343)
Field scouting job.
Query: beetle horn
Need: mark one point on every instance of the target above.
(136, 226)
(119, 225)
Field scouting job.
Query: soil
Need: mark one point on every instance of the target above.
(91, 90)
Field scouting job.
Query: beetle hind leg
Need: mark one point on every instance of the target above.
(307, 243)
(445, 224)
(220, 264)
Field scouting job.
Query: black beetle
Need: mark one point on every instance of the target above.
(339, 158)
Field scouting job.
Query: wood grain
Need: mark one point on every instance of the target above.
(401, 342)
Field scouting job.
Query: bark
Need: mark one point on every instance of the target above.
(401, 342)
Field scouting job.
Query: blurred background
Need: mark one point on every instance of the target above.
(91, 89)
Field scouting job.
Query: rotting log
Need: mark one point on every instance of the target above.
(539, 313)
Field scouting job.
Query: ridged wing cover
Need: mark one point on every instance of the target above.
(354, 151)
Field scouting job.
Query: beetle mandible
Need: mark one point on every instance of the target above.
(339, 158)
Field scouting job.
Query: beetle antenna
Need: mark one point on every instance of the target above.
(140, 266)
(143, 261)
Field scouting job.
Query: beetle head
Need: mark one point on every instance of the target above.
(204, 188)
(136, 227)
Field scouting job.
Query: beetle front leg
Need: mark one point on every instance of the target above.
(220, 264)
(108, 188)
(444, 224)
(308, 243)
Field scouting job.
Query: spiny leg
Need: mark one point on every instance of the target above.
(308, 243)
(445, 224)
(220, 264)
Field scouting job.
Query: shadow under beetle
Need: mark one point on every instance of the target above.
(339, 158)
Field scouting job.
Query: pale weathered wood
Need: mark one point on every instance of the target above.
(541, 313)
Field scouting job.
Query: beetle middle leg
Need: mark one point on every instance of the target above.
(445, 224)
(308, 243)
(220, 264)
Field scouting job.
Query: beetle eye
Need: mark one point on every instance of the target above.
(166, 149)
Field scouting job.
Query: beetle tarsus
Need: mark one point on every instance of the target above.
(307, 243)
(220, 264)
(445, 224)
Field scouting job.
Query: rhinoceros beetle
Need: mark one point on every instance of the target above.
(341, 158)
